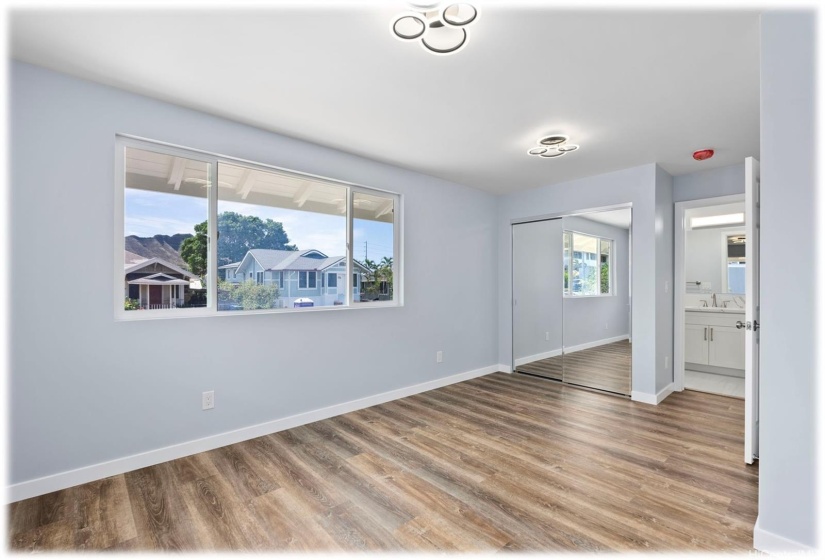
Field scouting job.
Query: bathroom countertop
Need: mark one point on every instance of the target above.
(715, 309)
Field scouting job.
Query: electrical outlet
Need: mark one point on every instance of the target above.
(606, 327)
(547, 335)
(208, 400)
(439, 357)
(667, 362)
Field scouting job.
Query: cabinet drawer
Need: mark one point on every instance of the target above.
(713, 319)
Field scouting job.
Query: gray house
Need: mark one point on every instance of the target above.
(299, 274)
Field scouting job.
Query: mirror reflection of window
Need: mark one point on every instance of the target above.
(735, 272)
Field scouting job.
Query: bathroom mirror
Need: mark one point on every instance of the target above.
(596, 300)
(715, 263)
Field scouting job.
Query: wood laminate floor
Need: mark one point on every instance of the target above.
(501, 462)
(605, 367)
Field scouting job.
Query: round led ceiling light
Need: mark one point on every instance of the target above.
(551, 154)
(440, 31)
(552, 146)
(568, 147)
(553, 140)
(409, 27)
(459, 14)
(441, 39)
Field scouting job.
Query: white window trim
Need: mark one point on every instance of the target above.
(612, 269)
(211, 310)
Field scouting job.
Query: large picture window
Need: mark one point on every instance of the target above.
(205, 234)
(588, 268)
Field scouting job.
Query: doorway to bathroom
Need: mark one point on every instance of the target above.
(716, 307)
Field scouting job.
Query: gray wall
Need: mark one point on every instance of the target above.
(652, 237)
(590, 319)
(663, 228)
(538, 284)
(787, 443)
(710, 183)
(86, 389)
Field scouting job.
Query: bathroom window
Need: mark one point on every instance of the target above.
(588, 265)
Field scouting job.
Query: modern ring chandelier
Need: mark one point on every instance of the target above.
(553, 146)
(440, 30)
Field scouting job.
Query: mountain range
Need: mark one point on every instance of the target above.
(166, 247)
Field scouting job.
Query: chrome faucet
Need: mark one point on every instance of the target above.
(713, 299)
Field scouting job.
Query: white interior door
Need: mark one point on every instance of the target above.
(751, 309)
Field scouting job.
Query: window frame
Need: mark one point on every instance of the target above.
(314, 285)
(123, 141)
(568, 292)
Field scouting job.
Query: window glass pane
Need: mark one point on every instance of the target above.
(373, 247)
(332, 280)
(282, 223)
(165, 228)
(585, 265)
(604, 272)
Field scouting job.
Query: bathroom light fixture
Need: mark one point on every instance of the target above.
(715, 221)
(440, 31)
(552, 146)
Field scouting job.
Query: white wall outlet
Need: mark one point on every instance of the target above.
(208, 400)
(439, 357)
(606, 326)
(667, 362)
(547, 336)
(667, 286)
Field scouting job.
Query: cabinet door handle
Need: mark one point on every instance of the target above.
(711, 334)
(706, 333)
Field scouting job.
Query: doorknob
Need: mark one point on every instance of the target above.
(740, 325)
(746, 325)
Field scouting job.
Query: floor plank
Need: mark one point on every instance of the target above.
(498, 463)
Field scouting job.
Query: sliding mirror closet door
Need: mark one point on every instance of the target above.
(537, 299)
(596, 308)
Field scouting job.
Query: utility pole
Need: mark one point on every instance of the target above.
(366, 252)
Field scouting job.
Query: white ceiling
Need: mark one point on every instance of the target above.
(618, 218)
(631, 87)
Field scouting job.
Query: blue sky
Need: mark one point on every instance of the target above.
(149, 213)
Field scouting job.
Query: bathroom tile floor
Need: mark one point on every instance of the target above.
(713, 383)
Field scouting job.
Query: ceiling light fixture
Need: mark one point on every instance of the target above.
(552, 146)
(441, 31)
(716, 221)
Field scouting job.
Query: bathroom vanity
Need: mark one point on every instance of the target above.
(712, 342)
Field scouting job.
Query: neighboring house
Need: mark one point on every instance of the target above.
(156, 283)
(298, 274)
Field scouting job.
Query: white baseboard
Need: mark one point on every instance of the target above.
(67, 479)
(650, 398)
(539, 356)
(505, 368)
(593, 344)
(765, 541)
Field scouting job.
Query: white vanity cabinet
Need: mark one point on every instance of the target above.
(712, 339)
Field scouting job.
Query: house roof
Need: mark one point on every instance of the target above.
(272, 259)
(160, 279)
(230, 265)
(131, 258)
(135, 267)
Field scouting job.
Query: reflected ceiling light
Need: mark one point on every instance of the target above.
(440, 31)
(714, 221)
(552, 146)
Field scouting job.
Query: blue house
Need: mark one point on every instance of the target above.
(298, 274)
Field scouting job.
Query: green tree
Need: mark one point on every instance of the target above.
(377, 272)
(249, 294)
(194, 250)
(239, 233)
(605, 278)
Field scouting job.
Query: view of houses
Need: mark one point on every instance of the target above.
(262, 279)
